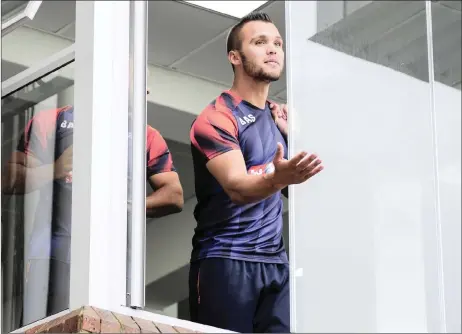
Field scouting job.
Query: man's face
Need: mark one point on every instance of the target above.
(262, 55)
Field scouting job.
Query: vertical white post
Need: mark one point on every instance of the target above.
(294, 60)
(137, 159)
(99, 209)
(441, 308)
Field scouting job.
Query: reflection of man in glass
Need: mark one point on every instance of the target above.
(43, 160)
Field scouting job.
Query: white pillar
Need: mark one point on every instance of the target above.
(306, 12)
(99, 229)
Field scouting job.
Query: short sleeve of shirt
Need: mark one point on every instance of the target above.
(159, 158)
(34, 140)
(214, 132)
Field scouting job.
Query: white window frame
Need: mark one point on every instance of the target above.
(41, 69)
(101, 91)
(294, 35)
(99, 208)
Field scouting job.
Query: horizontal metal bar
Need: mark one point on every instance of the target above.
(40, 70)
(16, 104)
(13, 23)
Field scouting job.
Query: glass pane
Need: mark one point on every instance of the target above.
(51, 30)
(446, 20)
(37, 124)
(365, 228)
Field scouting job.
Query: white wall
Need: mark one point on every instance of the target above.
(365, 229)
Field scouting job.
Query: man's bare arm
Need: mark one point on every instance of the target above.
(167, 197)
(230, 171)
(25, 174)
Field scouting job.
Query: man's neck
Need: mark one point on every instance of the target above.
(254, 92)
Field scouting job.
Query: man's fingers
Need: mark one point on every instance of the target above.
(310, 166)
(296, 159)
(303, 164)
(284, 111)
(275, 110)
(278, 111)
(312, 172)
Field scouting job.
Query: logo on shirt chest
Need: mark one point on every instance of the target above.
(67, 124)
(247, 119)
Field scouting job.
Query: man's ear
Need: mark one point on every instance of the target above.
(234, 58)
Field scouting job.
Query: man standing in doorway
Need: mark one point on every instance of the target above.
(239, 276)
(43, 161)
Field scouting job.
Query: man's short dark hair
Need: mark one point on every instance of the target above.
(234, 42)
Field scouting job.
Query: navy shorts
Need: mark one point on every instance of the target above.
(240, 296)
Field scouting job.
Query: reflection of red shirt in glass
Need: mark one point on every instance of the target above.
(47, 135)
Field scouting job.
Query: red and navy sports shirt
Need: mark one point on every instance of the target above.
(158, 156)
(47, 135)
(251, 232)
